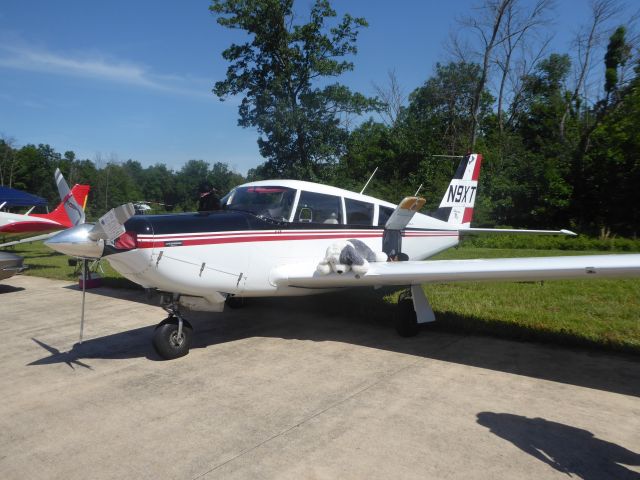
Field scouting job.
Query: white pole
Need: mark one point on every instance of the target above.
(365, 185)
(84, 286)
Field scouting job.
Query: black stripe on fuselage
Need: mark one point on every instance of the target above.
(224, 221)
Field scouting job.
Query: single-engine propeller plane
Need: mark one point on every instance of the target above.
(270, 237)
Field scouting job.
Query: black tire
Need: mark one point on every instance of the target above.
(235, 302)
(166, 341)
(406, 322)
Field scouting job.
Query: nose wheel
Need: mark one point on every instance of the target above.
(172, 336)
(172, 340)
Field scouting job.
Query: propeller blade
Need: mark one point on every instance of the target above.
(111, 225)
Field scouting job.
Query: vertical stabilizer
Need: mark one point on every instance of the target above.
(457, 204)
(70, 210)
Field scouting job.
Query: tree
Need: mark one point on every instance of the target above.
(301, 125)
(441, 111)
(392, 99)
(7, 160)
(586, 41)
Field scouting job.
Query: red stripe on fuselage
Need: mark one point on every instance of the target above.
(161, 242)
(182, 236)
(239, 239)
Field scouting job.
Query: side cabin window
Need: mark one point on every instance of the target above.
(269, 201)
(318, 208)
(383, 215)
(358, 213)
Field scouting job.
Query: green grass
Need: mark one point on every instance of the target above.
(578, 312)
(592, 313)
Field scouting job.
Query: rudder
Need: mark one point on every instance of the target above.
(457, 204)
(70, 211)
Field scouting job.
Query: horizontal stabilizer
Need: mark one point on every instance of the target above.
(404, 212)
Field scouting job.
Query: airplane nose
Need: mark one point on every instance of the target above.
(75, 242)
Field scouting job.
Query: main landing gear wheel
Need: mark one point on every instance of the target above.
(234, 302)
(170, 341)
(406, 321)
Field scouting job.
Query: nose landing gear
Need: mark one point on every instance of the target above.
(172, 336)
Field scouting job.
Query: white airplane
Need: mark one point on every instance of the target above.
(271, 236)
(68, 213)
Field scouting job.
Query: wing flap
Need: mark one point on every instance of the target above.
(499, 269)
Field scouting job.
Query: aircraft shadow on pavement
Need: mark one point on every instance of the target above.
(328, 318)
(9, 289)
(570, 450)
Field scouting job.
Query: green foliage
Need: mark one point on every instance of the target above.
(276, 72)
(439, 112)
(618, 52)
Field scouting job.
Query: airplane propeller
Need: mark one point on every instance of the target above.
(86, 241)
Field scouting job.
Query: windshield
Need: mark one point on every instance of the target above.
(273, 202)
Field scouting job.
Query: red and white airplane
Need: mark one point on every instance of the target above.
(68, 213)
(270, 236)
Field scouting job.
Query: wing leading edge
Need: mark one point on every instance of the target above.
(499, 269)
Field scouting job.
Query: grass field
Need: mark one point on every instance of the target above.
(592, 313)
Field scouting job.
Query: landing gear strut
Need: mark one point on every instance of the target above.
(172, 337)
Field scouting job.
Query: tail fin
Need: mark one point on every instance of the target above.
(70, 211)
(456, 206)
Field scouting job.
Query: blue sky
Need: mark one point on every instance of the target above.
(132, 79)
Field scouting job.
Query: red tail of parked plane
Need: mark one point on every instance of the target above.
(80, 193)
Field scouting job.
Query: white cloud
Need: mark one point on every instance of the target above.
(101, 68)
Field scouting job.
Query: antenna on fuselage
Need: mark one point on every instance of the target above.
(365, 185)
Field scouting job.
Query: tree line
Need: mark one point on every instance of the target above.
(559, 131)
(30, 168)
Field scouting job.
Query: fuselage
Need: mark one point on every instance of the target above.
(264, 225)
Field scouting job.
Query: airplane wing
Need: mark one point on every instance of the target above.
(304, 275)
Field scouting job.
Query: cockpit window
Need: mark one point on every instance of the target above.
(273, 202)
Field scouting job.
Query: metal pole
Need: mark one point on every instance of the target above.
(84, 286)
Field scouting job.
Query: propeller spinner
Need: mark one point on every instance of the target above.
(87, 240)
